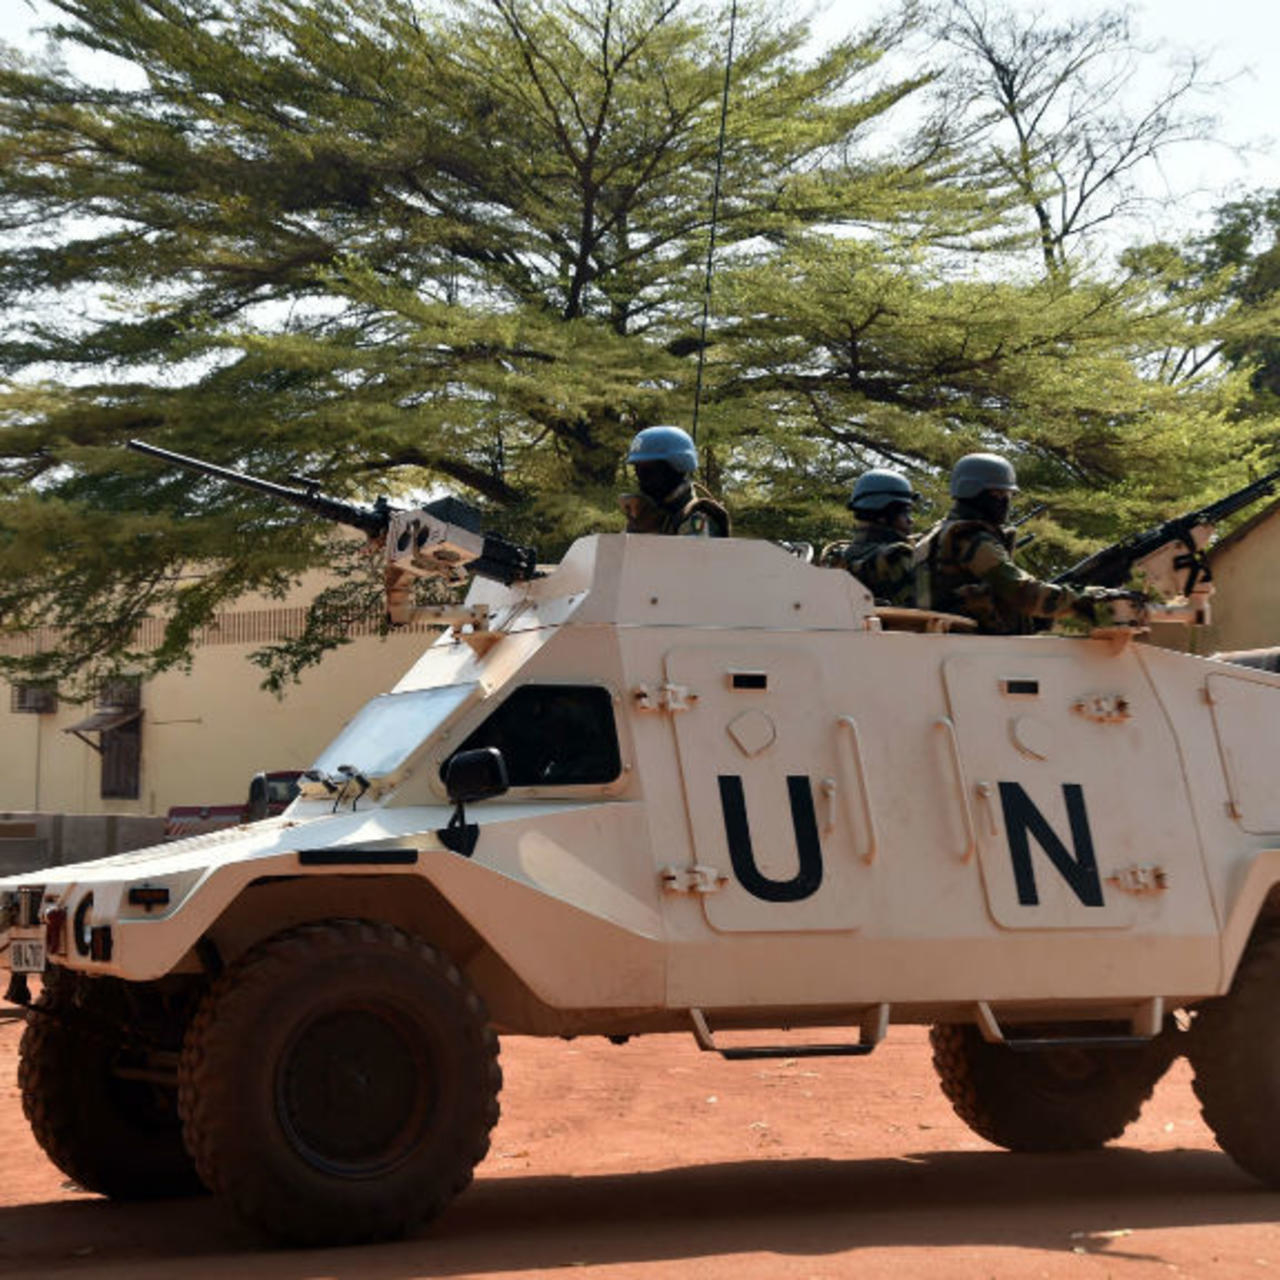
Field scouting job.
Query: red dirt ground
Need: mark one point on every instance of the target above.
(654, 1160)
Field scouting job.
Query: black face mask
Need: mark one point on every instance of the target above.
(993, 505)
(889, 516)
(657, 479)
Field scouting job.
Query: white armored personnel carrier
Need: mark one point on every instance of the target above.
(677, 784)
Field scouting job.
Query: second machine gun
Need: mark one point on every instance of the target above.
(441, 539)
(1169, 559)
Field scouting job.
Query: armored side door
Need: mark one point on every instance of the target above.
(1076, 796)
(770, 788)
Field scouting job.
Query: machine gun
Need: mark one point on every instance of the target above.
(1170, 558)
(441, 539)
(1027, 538)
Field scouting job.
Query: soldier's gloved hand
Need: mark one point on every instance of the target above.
(1114, 607)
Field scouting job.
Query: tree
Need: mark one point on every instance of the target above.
(394, 247)
(386, 246)
(1226, 284)
(1091, 374)
(1058, 113)
(1244, 245)
(849, 355)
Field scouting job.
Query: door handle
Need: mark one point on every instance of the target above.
(953, 743)
(853, 751)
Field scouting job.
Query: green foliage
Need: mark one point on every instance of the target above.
(1244, 249)
(848, 354)
(397, 246)
(386, 246)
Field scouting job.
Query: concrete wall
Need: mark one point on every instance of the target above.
(1246, 576)
(1245, 607)
(32, 840)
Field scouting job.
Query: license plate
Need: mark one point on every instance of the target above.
(26, 955)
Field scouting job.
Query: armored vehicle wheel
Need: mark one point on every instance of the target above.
(1064, 1099)
(97, 1098)
(1234, 1048)
(338, 1083)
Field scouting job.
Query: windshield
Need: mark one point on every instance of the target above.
(383, 734)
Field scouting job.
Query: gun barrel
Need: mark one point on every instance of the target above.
(1112, 565)
(370, 520)
(1245, 496)
(501, 560)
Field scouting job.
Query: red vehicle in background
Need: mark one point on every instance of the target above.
(269, 794)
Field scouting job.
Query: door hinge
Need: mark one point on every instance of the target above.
(1104, 708)
(666, 697)
(1140, 880)
(694, 879)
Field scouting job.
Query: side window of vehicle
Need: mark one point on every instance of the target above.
(554, 735)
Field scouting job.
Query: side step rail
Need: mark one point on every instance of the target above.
(871, 1030)
(1146, 1024)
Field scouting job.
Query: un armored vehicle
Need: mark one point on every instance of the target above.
(676, 784)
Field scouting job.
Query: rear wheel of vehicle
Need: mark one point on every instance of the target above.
(1234, 1049)
(1061, 1099)
(339, 1083)
(101, 1101)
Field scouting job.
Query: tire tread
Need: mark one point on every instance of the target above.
(991, 1089)
(1233, 1052)
(208, 1102)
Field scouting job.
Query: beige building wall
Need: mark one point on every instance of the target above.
(206, 732)
(1246, 577)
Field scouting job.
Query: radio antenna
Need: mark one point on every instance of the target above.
(715, 212)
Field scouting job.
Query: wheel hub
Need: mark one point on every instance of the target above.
(355, 1091)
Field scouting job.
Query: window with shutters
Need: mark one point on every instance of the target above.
(120, 746)
(121, 757)
(123, 692)
(38, 698)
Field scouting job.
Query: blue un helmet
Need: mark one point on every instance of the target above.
(881, 488)
(976, 472)
(671, 445)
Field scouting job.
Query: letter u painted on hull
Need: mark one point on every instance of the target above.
(808, 877)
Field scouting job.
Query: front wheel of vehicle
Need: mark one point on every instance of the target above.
(339, 1083)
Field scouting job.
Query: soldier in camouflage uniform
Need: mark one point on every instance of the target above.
(669, 500)
(880, 554)
(964, 564)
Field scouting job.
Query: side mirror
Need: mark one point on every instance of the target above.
(476, 775)
(256, 808)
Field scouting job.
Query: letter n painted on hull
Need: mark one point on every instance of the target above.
(1024, 822)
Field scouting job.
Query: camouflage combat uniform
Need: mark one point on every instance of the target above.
(965, 565)
(687, 512)
(881, 559)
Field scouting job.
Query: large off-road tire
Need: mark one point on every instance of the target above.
(338, 1084)
(79, 1065)
(1234, 1050)
(1063, 1099)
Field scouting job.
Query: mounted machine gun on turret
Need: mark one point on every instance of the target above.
(1170, 559)
(441, 539)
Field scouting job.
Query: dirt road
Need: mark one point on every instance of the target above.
(653, 1160)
